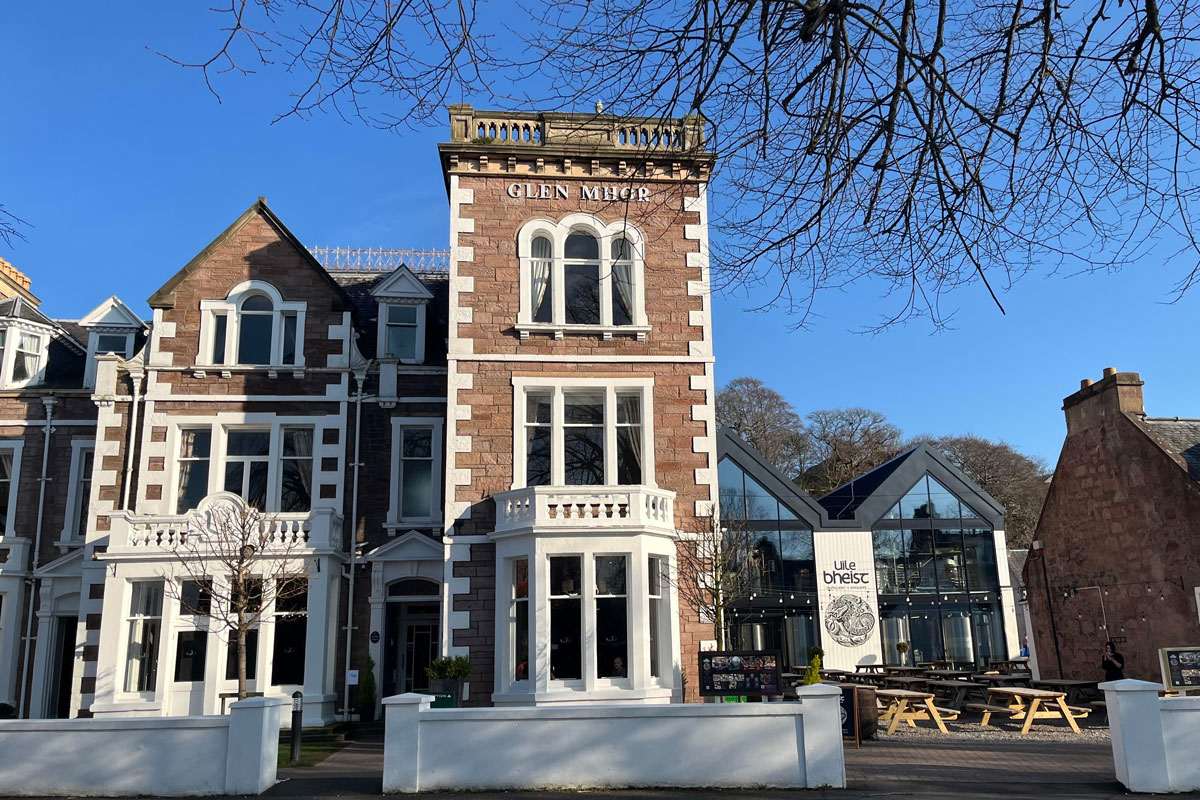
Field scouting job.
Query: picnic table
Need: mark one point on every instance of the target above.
(1073, 689)
(904, 670)
(902, 682)
(956, 692)
(902, 706)
(1025, 704)
(949, 674)
(869, 668)
(1003, 679)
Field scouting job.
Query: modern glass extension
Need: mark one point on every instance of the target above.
(777, 606)
(939, 590)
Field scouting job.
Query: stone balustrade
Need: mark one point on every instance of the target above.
(639, 134)
(598, 508)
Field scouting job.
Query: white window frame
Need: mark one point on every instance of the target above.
(94, 334)
(385, 304)
(163, 664)
(394, 520)
(605, 233)
(219, 447)
(16, 446)
(75, 499)
(8, 358)
(558, 388)
(230, 306)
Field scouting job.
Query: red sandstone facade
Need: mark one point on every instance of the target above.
(1118, 541)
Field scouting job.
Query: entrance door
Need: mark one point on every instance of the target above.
(412, 642)
(64, 666)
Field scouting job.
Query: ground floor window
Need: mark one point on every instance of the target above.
(566, 618)
(291, 630)
(144, 626)
(954, 630)
(231, 657)
(612, 617)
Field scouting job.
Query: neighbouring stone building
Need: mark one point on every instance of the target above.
(1117, 550)
(500, 452)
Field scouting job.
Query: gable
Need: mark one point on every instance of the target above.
(165, 296)
(112, 313)
(402, 284)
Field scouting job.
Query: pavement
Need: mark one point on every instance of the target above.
(884, 768)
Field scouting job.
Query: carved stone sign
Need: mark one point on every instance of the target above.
(565, 191)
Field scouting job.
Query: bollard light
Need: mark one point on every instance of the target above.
(297, 722)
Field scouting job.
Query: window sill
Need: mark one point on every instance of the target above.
(606, 332)
(227, 370)
(408, 524)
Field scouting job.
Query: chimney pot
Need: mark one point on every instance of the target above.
(1110, 371)
(1086, 382)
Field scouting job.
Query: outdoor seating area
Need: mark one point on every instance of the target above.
(1006, 692)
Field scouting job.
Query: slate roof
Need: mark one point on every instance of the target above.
(1179, 436)
(357, 286)
(843, 502)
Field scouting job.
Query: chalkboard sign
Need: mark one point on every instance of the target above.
(749, 672)
(849, 709)
(1180, 667)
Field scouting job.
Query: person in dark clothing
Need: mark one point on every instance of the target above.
(1113, 663)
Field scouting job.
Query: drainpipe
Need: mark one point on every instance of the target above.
(1037, 546)
(49, 402)
(359, 379)
(136, 378)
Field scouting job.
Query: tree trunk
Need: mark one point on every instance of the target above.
(241, 640)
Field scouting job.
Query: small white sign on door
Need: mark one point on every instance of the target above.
(352, 677)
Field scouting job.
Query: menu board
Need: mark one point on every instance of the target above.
(849, 712)
(749, 672)
(1180, 667)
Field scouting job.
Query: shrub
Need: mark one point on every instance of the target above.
(442, 668)
(813, 673)
(366, 692)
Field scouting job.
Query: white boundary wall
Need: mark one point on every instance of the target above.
(1153, 738)
(174, 756)
(786, 745)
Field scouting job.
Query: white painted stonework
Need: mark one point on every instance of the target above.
(780, 745)
(180, 756)
(1153, 738)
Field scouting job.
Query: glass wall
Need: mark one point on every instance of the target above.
(777, 609)
(935, 563)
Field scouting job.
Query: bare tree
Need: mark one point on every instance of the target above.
(233, 564)
(1016, 480)
(765, 419)
(847, 443)
(908, 146)
(715, 569)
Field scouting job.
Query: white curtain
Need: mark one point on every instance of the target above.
(622, 271)
(539, 273)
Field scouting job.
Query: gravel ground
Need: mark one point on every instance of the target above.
(1000, 730)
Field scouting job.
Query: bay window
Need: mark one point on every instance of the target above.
(247, 462)
(612, 617)
(518, 645)
(583, 433)
(144, 625)
(566, 618)
(581, 275)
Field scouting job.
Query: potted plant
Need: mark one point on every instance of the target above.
(448, 674)
(902, 649)
(366, 693)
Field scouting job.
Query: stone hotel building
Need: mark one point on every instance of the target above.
(496, 454)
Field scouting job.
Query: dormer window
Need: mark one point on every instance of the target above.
(402, 303)
(22, 356)
(252, 326)
(111, 328)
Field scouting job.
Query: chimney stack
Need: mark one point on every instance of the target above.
(14, 283)
(1096, 403)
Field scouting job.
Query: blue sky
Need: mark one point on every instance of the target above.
(125, 166)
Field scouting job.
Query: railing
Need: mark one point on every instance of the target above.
(381, 259)
(185, 534)
(599, 508)
(646, 134)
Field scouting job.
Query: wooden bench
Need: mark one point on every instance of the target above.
(988, 709)
(1078, 712)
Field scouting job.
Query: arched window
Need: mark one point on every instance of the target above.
(255, 319)
(252, 326)
(581, 276)
(413, 587)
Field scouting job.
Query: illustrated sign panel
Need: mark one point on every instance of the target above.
(1180, 667)
(847, 600)
(745, 672)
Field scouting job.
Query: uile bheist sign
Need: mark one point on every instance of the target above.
(563, 191)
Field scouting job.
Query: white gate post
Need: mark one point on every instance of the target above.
(252, 754)
(401, 738)
(821, 723)
(1135, 722)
